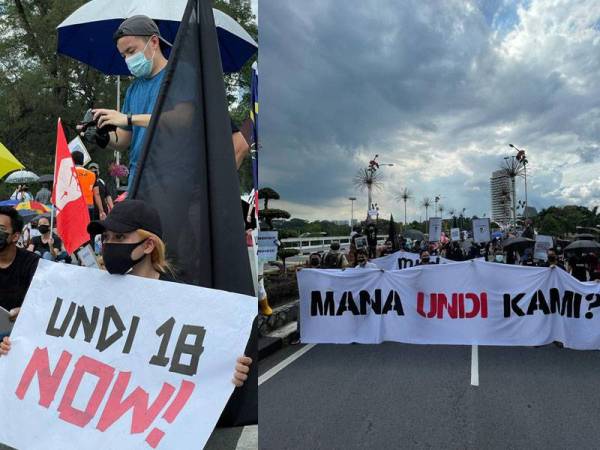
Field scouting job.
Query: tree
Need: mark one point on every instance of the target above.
(405, 196)
(268, 215)
(267, 194)
(285, 253)
(37, 85)
(426, 203)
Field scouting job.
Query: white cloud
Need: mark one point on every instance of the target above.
(440, 92)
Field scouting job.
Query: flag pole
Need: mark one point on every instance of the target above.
(53, 187)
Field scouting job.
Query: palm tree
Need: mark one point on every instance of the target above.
(426, 203)
(404, 195)
(368, 179)
(441, 209)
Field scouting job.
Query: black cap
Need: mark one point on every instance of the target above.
(128, 216)
(139, 25)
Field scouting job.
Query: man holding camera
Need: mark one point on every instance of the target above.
(139, 41)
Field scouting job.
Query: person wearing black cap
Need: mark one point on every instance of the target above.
(132, 244)
(139, 41)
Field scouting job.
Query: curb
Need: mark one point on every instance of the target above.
(276, 340)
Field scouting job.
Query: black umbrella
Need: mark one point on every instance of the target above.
(582, 246)
(518, 243)
(584, 237)
(47, 178)
(415, 235)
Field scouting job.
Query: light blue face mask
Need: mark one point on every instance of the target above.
(139, 65)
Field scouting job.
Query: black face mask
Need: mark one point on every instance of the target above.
(3, 240)
(43, 228)
(117, 257)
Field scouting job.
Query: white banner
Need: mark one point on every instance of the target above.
(465, 303)
(267, 245)
(102, 361)
(542, 244)
(481, 230)
(435, 229)
(403, 260)
(455, 234)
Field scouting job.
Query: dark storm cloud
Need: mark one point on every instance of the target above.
(438, 88)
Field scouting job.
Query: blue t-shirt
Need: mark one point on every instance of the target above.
(140, 99)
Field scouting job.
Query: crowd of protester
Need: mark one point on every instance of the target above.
(584, 266)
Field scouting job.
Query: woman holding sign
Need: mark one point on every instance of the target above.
(132, 244)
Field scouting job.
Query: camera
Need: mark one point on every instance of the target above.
(94, 134)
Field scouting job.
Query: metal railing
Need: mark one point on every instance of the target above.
(308, 245)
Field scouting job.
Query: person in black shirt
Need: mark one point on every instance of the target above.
(372, 240)
(17, 265)
(48, 245)
(102, 197)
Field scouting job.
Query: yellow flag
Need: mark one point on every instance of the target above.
(8, 163)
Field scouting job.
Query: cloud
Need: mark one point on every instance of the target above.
(439, 91)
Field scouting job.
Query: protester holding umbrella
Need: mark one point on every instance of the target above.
(139, 41)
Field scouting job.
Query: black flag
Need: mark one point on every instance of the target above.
(187, 171)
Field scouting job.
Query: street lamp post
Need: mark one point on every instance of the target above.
(351, 211)
(373, 167)
(523, 160)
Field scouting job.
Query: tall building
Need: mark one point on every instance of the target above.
(500, 196)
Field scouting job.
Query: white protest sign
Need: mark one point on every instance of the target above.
(435, 229)
(267, 245)
(87, 257)
(455, 234)
(481, 230)
(465, 303)
(542, 244)
(76, 145)
(403, 260)
(102, 361)
(361, 242)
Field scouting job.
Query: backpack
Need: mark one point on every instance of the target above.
(332, 261)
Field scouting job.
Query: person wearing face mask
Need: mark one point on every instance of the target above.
(424, 258)
(132, 245)
(17, 265)
(48, 245)
(362, 258)
(139, 41)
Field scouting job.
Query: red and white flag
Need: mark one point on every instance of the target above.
(72, 216)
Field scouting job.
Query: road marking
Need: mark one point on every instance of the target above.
(283, 364)
(248, 439)
(474, 365)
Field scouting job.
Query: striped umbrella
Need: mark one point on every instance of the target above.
(36, 207)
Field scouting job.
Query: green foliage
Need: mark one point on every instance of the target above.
(37, 86)
(560, 221)
(284, 253)
(267, 194)
(268, 215)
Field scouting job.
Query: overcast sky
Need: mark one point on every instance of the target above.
(439, 88)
